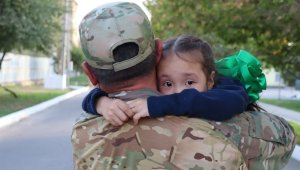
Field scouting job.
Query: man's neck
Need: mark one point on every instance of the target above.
(144, 82)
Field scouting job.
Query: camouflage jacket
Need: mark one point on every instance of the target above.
(266, 141)
(248, 141)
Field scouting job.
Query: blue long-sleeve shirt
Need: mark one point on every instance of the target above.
(222, 102)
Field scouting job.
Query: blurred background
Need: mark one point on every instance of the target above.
(40, 55)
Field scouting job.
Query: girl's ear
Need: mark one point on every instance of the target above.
(211, 80)
(88, 72)
(159, 49)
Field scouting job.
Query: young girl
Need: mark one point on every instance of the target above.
(191, 87)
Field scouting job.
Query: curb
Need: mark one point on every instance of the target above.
(21, 114)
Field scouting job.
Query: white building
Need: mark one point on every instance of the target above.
(274, 78)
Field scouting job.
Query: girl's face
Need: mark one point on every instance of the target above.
(176, 74)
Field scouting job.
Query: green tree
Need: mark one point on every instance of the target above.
(269, 29)
(77, 58)
(29, 25)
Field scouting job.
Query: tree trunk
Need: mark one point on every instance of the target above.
(2, 58)
(6, 89)
(10, 91)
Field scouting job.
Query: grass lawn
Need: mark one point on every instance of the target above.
(80, 80)
(289, 104)
(297, 131)
(27, 96)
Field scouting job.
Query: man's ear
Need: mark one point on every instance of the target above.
(88, 72)
(159, 49)
(211, 80)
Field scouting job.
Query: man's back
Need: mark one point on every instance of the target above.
(166, 143)
(253, 140)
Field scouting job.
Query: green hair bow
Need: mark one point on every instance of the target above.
(246, 68)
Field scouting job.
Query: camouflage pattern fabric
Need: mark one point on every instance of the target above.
(166, 143)
(265, 140)
(108, 27)
(251, 140)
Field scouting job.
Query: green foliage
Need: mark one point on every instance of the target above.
(29, 24)
(80, 80)
(269, 29)
(290, 76)
(77, 58)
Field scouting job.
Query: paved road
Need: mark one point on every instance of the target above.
(41, 142)
(292, 165)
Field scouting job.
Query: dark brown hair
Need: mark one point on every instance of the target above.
(188, 43)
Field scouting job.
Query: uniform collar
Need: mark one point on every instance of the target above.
(129, 95)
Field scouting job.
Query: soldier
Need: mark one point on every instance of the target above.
(109, 36)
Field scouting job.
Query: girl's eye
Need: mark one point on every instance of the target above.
(189, 82)
(167, 84)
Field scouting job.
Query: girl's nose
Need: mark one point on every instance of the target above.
(179, 89)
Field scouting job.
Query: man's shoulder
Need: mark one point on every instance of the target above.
(261, 137)
(84, 116)
(172, 123)
(258, 124)
(255, 124)
(187, 143)
(170, 129)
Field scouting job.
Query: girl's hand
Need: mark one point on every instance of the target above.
(115, 111)
(139, 107)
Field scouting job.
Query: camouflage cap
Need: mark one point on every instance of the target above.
(111, 25)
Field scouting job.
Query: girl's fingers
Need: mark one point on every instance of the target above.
(124, 107)
(112, 118)
(115, 120)
(121, 115)
(136, 118)
(133, 105)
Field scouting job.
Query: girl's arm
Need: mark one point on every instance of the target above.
(90, 101)
(222, 102)
(115, 111)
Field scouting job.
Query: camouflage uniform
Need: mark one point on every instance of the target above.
(248, 141)
(266, 141)
(251, 140)
(166, 143)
